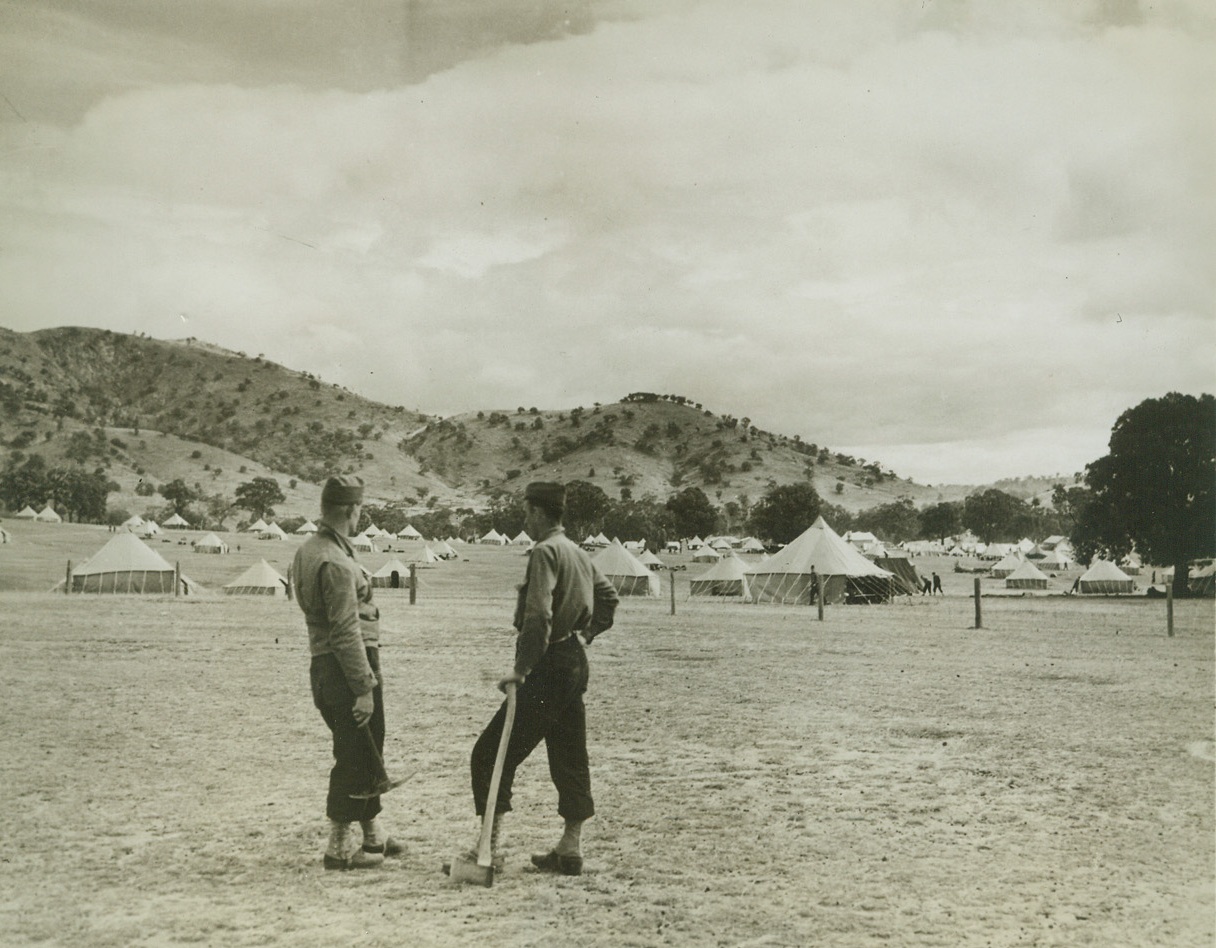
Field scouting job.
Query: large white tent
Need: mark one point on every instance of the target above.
(787, 575)
(26, 513)
(257, 527)
(1105, 578)
(176, 522)
(1026, 576)
(261, 579)
(307, 528)
(124, 565)
(625, 571)
(409, 533)
(392, 575)
(210, 544)
(494, 537)
(272, 532)
(1007, 565)
(727, 577)
(48, 515)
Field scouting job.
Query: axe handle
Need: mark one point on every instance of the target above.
(484, 856)
(381, 774)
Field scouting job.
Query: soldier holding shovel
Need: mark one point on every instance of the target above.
(564, 596)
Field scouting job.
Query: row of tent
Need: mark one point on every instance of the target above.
(46, 515)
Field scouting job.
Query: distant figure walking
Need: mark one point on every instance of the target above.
(937, 585)
(926, 587)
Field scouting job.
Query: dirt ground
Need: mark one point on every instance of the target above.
(888, 776)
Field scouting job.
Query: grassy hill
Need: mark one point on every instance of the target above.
(156, 410)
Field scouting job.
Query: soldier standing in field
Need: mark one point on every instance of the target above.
(563, 596)
(343, 633)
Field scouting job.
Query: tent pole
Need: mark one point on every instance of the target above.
(1169, 607)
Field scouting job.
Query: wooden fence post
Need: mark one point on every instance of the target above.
(413, 584)
(671, 574)
(177, 578)
(979, 616)
(67, 583)
(819, 595)
(1169, 607)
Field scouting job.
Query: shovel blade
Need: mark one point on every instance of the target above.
(471, 873)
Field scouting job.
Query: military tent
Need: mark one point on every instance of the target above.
(392, 575)
(1055, 559)
(522, 539)
(149, 529)
(177, 522)
(727, 577)
(48, 515)
(210, 544)
(1203, 582)
(1105, 578)
(124, 565)
(306, 528)
(706, 554)
(494, 537)
(27, 513)
(257, 527)
(443, 549)
(847, 575)
(1026, 576)
(272, 532)
(649, 560)
(899, 565)
(622, 569)
(751, 545)
(409, 533)
(261, 579)
(362, 543)
(1007, 565)
(1131, 564)
(422, 556)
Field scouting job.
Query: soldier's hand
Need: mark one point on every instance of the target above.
(513, 678)
(365, 704)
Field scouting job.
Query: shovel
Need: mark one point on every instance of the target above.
(482, 871)
(382, 783)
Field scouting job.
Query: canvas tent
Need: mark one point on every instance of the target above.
(847, 575)
(493, 537)
(27, 513)
(1007, 565)
(907, 580)
(706, 554)
(176, 522)
(751, 545)
(727, 577)
(362, 543)
(124, 565)
(1203, 582)
(272, 532)
(306, 528)
(522, 539)
(1026, 576)
(149, 529)
(423, 556)
(1104, 578)
(443, 549)
(261, 579)
(409, 533)
(649, 560)
(48, 515)
(392, 575)
(257, 527)
(625, 572)
(210, 544)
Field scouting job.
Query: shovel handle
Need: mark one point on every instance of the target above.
(484, 856)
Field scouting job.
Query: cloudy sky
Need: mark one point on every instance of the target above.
(955, 236)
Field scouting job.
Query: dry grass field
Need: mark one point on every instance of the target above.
(888, 776)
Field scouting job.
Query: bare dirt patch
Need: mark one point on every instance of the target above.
(888, 776)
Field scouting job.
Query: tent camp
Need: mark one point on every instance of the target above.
(625, 572)
(306, 528)
(176, 522)
(27, 513)
(210, 544)
(1054, 560)
(1026, 576)
(847, 575)
(48, 515)
(124, 565)
(1104, 578)
(272, 532)
(727, 577)
(261, 579)
(1007, 565)
(392, 575)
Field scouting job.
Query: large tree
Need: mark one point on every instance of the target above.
(259, 496)
(692, 513)
(586, 506)
(180, 494)
(1155, 491)
(940, 520)
(785, 511)
(996, 516)
(891, 522)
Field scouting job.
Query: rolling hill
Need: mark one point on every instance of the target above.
(155, 410)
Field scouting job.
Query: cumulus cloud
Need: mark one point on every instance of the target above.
(857, 223)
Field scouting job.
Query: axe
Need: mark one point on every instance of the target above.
(381, 782)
